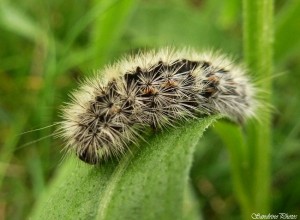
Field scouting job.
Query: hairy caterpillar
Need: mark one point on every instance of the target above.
(152, 89)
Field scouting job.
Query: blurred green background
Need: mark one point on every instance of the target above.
(47, 47)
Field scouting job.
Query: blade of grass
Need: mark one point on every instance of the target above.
(12, 19)
(10, 144)
(108, 28)
(84, 22)
(39, 165)
(234, 140)
(250, 154)
(108, 19)
(287, 22)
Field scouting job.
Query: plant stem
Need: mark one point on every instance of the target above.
(258, 39)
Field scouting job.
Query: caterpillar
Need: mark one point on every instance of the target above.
(151, 89)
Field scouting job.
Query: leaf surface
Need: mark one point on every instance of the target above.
(148, 183)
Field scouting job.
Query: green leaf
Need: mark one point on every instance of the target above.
(148, 183)
(109, 27)
(234, 139)
(287, 22)
(14, 20)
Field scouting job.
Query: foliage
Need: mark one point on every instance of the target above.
(47, 46)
